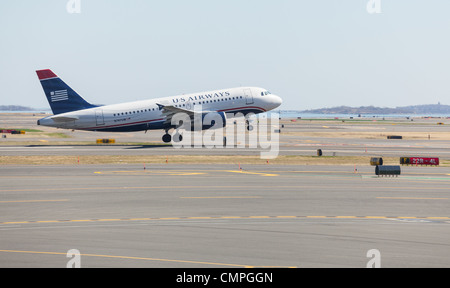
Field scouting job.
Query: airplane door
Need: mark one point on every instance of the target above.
(248, 96)
(99, 117)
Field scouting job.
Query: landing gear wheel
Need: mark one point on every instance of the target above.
(166, 138)
(177, 137)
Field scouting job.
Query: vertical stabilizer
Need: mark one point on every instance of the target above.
(60, 96)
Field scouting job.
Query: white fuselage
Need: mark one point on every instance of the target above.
(147, 114)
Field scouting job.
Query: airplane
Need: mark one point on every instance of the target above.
(71, 111)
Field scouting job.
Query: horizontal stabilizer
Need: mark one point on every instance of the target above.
(61, 119)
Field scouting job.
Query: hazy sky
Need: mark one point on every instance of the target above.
(317, 53)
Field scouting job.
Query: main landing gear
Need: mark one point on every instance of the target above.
(167, 138)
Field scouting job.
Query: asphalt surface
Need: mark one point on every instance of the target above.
(220, 216)
(216, 215)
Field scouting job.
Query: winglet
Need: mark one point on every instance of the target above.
(45, 74)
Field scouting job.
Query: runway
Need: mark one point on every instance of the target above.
(342, 137)
(308, 150)
(220, 216)
(144, 207)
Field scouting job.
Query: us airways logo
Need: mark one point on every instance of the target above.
(201, 97)
(59, 95)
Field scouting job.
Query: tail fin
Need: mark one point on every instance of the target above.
(60, 96)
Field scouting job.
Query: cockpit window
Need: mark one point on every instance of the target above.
(265, 93)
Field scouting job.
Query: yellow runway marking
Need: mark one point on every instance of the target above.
(134, 258)
(110, 220)
(133, 172)
(139, 219)
(82, 220)
(412, 198)
(223, 197)
(226, 217)
(255, 173)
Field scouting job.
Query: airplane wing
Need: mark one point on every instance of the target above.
(169, 111)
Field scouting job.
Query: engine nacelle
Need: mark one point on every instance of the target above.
(212, 120)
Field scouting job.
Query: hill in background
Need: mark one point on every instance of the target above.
(15, 108)
(417, 109)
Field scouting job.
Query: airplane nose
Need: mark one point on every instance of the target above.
(277, 101)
